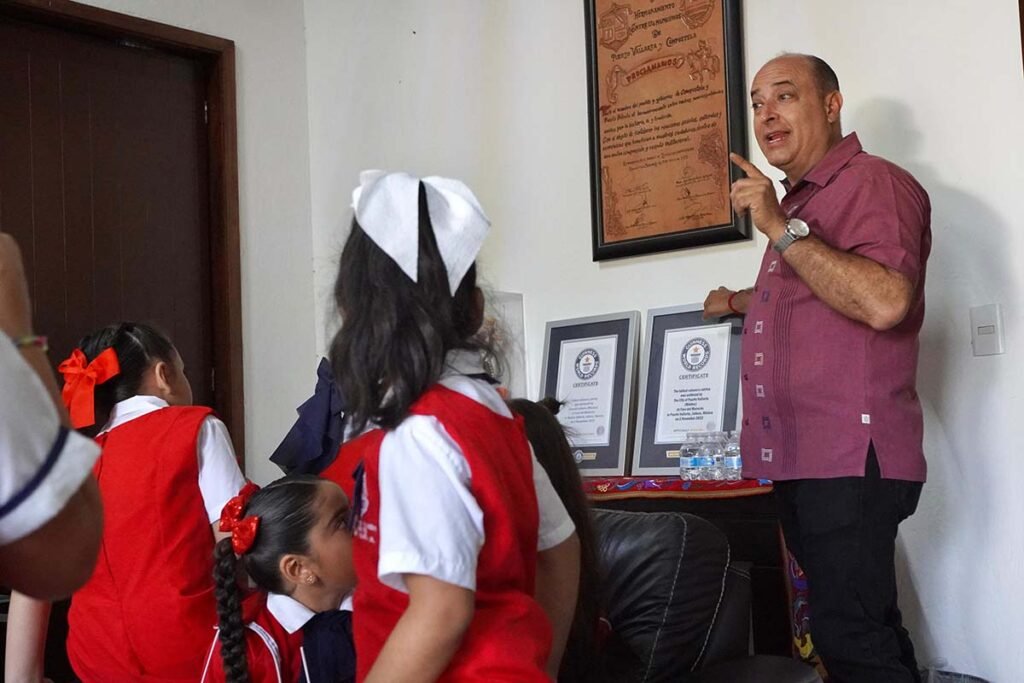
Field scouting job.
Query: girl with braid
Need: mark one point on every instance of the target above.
(291, 540)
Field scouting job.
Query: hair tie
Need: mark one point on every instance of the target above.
(80, 380)
(243, 529)
(387, 209)
(552, 404)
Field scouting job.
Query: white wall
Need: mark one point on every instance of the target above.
(273, 177)
(391, 85)
(495, 93)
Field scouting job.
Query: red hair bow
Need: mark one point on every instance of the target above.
(80, 380)
(243, 529)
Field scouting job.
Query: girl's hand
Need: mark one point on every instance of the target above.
(15, 309)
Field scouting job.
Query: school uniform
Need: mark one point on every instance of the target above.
(42, 464)
(286, 642)
(454, 492)
(164, 475)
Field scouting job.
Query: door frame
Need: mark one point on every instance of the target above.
(218, 54)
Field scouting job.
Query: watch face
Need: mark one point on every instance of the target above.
(798, 227)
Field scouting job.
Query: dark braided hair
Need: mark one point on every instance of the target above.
(137, 346)
(229, 613)
(546, 435)
(285, 510)
(396, 333)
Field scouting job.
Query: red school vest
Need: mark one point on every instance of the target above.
(271, 653)
(148, 610)
(509, 638)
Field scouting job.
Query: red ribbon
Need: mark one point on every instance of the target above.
(243, 529)
(80, 380)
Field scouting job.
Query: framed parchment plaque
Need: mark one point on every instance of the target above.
(667, 104)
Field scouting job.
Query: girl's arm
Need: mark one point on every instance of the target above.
(220, 478)
(27, 622)
(558, 581)
(427, 635)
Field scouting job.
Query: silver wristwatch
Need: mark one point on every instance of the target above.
(796, 229)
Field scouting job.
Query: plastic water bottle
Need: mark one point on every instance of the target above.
(688, 470)
(718, 442)
(706, 459)
(732, 461)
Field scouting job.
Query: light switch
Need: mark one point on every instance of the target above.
(987, 330)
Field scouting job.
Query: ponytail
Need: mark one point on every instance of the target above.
(229, 610)
(136, 347)
(550, 445)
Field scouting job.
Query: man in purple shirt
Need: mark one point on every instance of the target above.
(830, 360)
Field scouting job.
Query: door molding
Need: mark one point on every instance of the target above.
(218, 54)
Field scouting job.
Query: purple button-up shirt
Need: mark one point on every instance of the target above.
(818, 387)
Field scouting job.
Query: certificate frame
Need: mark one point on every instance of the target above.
(649, 457)
(690, 53)
(609, 459)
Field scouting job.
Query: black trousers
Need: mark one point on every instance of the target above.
(843, 533)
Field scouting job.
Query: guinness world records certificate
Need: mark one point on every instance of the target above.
(693, 380)
(689, 381)
(586, 374)
(590, 365)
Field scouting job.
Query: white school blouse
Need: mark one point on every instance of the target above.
(430, 523)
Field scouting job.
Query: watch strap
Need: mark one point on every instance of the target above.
(786, 240)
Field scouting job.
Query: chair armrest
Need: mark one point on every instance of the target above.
(730, 632)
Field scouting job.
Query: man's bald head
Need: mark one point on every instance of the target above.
(824, 77)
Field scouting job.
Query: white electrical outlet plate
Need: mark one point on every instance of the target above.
(987, 330)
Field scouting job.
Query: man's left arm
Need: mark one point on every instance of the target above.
(855, 286)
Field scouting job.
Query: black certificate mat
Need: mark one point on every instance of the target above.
(607, 460)
(650, 458)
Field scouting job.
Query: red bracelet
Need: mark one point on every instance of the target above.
(729, 303)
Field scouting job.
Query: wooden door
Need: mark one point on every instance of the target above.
(104, 183)
(119, 177)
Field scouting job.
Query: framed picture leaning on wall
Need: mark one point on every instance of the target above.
(689, 382)
(667, 104)
(590, 365)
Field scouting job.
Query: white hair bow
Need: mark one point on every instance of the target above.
(387, 209)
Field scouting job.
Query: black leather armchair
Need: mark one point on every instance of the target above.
(679, 608)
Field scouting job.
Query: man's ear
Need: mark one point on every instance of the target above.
(833, 105)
